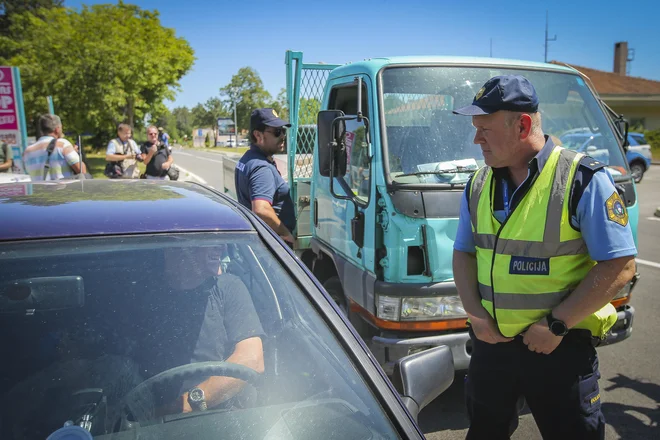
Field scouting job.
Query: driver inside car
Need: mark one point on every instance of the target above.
(207, 315)
(193, 313)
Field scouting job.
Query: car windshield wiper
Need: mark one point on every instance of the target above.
(452, 171)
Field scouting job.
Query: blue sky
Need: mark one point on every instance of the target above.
(228, 35)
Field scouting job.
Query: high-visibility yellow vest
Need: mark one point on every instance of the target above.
(527, 265)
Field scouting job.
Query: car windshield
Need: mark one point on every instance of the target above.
(426, 143)
(119, 334)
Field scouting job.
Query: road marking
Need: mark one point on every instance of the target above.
(648, 263)
(199, 157)
(194, 176)
(657, 219)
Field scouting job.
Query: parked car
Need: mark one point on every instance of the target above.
(638, 155)
(102, 314)
(231, 143)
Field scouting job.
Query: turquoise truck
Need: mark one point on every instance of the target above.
(377, 165)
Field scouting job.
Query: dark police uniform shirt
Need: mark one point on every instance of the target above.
(604, 231)
(257, 178)
(155, 165)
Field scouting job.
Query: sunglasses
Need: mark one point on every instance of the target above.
(277, 132)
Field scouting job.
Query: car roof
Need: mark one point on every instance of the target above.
(70, 208)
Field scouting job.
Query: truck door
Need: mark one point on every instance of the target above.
(334, 219)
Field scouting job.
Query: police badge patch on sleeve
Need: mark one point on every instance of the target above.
(616, 210)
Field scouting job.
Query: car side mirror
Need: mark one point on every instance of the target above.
(331, 131)
(423, 376)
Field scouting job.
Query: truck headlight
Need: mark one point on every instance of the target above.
(420, 308)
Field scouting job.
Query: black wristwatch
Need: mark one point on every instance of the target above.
(196, 399)
(556, 326)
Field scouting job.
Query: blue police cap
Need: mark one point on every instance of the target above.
(266, 116)
(507, 92)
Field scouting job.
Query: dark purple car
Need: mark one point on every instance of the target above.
(149, 309)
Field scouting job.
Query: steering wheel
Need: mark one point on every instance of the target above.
(142, 412)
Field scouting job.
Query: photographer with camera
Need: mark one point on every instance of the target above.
(157, 157)
(122, 155)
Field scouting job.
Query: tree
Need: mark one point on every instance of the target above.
(245, 91)
(164, 118)
(309, 110)
(9, 8)
(184, 120)
(281, 105)
(103, 65)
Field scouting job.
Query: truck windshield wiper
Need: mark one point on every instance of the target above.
(452, 171)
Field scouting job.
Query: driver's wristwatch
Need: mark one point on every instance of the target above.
(556, 326)
(196, 399)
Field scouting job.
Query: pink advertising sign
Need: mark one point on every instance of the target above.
(8, 108)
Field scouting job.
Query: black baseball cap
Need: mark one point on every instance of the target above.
(507, 92)
(266, 116)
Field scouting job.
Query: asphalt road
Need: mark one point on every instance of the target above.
(630, 384)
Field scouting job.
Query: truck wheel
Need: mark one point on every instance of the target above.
(336, 291)
(637, 170)
(333, 286)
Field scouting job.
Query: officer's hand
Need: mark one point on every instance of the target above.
(288, 238)
(153, 149)
(485, 329)
(166, 166)
(540, 339)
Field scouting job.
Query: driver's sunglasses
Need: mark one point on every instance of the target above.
(278, 132)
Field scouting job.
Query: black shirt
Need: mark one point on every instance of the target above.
(155, 165)
(197, 325)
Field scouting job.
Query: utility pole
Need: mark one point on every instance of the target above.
(546, 37)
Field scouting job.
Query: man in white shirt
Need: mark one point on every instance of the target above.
(125, 151)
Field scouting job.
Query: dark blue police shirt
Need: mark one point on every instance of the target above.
(257, 178)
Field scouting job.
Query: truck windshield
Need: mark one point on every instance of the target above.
(426, 143)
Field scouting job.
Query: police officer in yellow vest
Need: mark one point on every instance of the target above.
(543, 246)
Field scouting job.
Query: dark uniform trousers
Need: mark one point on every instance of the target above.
(561, 389)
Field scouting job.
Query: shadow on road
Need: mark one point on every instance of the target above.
(447, 412)
(622, 418)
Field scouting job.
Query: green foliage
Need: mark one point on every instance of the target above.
(246, 91)
(208, 140)
(309, 110)
(164, 118)
(103, 65)
(184, 121)
(281, 106)
(11, 8)
(653, 138)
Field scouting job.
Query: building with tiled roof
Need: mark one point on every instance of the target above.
(638, 99)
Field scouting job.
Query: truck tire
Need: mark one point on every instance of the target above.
(333, 286)
(637, 170)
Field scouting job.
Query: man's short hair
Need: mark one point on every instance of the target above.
(152, 126)
(48, 123)
(258, 127)
(122, 127)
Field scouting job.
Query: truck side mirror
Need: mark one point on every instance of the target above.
(622, 127)
(331, 131)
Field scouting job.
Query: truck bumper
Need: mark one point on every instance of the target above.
(388, 350)
(623, 327)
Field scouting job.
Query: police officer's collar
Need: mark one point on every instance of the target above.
(537, 163)
(256, 149)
